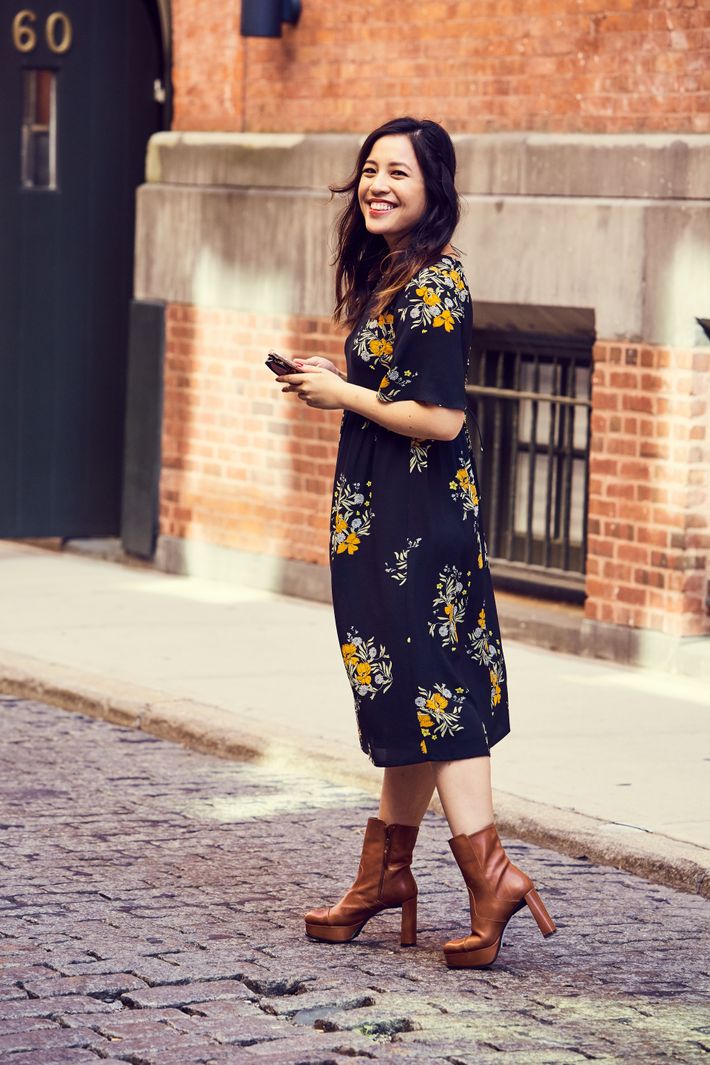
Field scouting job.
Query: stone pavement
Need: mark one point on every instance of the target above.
(152, 901)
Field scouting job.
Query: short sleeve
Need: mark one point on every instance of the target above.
(432, 337)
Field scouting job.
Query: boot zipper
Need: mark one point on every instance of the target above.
(385, 855)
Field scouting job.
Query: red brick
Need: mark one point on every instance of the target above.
(527, 70)
(628, 594)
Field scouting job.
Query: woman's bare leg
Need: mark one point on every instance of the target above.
(464, 788)
(406, 793)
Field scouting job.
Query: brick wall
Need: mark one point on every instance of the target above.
(244, 465)
(554, 65)
(247, 467)
(648, 564)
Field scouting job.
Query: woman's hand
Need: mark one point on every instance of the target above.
(318, 386)
(319, 361)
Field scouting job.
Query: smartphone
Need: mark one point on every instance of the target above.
(281, 365)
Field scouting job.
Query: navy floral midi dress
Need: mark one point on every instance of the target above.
(412, 591)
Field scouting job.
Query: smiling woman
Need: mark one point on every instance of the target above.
(412, 589)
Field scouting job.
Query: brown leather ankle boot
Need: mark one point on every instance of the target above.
(497, 889)
(384, 882)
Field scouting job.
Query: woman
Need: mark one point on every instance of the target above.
(412, 591)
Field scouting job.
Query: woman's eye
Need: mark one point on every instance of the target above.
(368, 172)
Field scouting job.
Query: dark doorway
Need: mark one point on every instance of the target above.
(81, 92)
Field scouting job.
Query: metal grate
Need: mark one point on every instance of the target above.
(530, 395)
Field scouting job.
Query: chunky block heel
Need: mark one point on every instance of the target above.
(409, 923)
(537, 907)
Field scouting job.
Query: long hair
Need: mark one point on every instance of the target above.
(367, 273)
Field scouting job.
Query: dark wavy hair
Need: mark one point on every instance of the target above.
(367, 273)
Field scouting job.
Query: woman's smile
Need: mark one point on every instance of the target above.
(381, 207)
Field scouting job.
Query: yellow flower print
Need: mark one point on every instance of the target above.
(463, 487)
(363, 674)
(369, 669)
(486, 649)
(423, 746)
(480, 560)
(351, 515)
(429, 297)
(380, 348)
(437, 296)
(349, 544)
(375, 341)
(444, 714)
(444, 319)
(394, 381)
(451, 601)
(495, 688)
(349, 652)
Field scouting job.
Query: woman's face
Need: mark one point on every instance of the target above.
(391, 192)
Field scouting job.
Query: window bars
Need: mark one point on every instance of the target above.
(530, 395)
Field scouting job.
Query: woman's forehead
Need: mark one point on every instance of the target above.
(394, 148)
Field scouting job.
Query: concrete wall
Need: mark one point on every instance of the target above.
(619, 224)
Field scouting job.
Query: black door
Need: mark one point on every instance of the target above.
(78, 87)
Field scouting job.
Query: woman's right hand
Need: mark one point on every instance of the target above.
(318, 360)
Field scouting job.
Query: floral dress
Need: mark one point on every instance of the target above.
(412, 589)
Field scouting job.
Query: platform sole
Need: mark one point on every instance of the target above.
(485, 956)
(334, 933)
(345, 933)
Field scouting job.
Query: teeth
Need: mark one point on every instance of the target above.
(382, 207)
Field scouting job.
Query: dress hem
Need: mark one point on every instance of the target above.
(430, 757)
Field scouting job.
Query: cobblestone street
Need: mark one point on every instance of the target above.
(152, 902)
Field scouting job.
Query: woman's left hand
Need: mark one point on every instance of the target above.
(317, 387)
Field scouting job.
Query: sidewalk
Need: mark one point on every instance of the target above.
(602, 760)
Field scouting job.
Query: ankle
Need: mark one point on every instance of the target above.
(471, 826)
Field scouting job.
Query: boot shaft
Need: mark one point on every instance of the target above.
(385, 864)
(490, 876)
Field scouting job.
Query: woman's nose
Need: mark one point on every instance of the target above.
(379, 185)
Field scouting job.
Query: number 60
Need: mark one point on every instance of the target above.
(57, 31)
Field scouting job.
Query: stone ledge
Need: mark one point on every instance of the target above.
(647, 648)
(266, 249)
(656, 166)
(675, 863)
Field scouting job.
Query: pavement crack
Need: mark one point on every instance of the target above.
(352, 1052)
(388, 1028)
(275, 988)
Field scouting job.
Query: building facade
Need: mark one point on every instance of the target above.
(582, 130)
